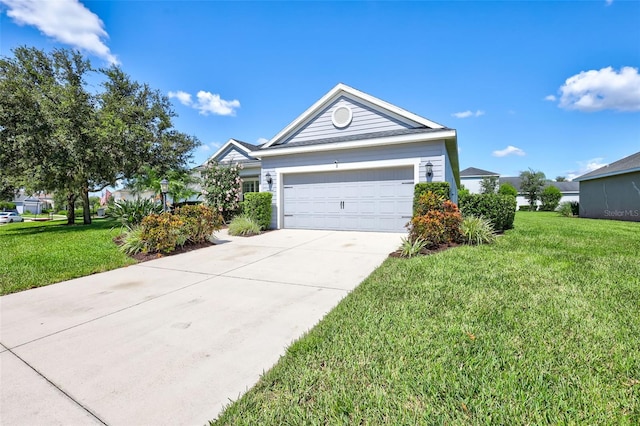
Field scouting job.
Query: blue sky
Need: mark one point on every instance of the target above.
(549, 85)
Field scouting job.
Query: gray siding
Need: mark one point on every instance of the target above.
(613, 197)
(449, 177)
(365, 120)
(434, 151)
(232, 155)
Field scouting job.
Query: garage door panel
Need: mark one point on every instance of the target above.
(368, 200)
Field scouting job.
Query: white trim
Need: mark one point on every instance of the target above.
(363, 165)
(343, 89)
(388, 140)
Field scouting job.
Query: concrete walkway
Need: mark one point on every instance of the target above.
(173, 340)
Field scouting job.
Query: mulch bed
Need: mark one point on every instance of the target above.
(426, 252)
(144, 257)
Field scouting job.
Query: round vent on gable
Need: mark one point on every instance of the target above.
(341, 116)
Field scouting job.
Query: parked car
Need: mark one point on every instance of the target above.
(8, 217)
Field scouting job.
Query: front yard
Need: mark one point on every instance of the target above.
(541, 327)
(35, 254)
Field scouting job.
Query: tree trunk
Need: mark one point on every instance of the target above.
(86, 207)
(71, 213)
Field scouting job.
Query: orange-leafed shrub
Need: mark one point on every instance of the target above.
(163, 232)
(437, 221)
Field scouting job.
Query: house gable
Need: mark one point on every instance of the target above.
(364, 119)
(233, 151)
(345, 111)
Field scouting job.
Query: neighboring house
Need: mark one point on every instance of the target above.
(349, 162)
(471, 177)
(570, 190)
(34, 203)
(613, 191)
(129, 195)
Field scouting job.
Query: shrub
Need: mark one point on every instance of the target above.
(257, 206)
(508, 189)
(412, 248)
(132, 241)
(477, 230)
(550, 198)
(565, 209)
(199, 222)
(435, 222)
(526, 208)
(130, 213)
(499, 209)
(575, 208)
(244, 226)
(440, 188)
(163, 232)
(428, 201)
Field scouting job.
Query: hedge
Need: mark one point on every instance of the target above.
(257, 206)
(499, 209)
(439, 188)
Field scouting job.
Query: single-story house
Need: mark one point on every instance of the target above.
(613, 191)
(471, 177)
(349, 162)
(569, 189)
(33, 204)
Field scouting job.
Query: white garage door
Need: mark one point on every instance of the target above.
(355, 200)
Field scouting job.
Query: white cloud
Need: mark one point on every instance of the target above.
(207, 103)
(260, 141)
(183, 97)
(210, 103)
(67, 21)
(509, 150)
(466, 114)
(586, 167)
(598, 90)
(551, 98)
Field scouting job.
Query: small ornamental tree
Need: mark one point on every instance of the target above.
(489, 185)
(531, 184)
(221, 188)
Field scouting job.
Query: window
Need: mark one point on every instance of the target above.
(250, 186)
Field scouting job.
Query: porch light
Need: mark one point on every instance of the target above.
(164, 188)
(429, 169)
(268, 178)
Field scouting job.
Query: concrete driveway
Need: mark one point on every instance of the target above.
(173, 340)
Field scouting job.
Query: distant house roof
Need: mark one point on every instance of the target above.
(562, 186)
(472, 171)
(626, 165)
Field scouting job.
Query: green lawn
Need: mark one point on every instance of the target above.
(543, 327)
(40, 253)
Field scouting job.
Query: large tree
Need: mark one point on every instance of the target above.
(531, 184)
(67, 127)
